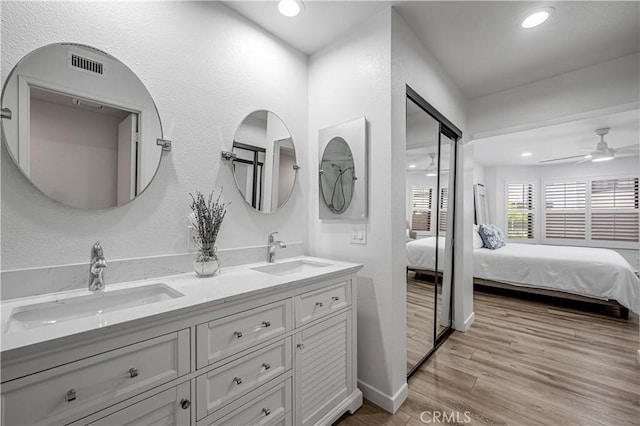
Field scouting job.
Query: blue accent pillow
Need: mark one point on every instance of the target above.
(492, 236)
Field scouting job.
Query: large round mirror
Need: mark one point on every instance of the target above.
(265, 165)
(81, 126)
(337, 175)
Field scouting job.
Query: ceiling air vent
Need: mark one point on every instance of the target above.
(85, 64)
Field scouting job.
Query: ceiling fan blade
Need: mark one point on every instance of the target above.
(627, 148)
(584, 160)
(561, 158)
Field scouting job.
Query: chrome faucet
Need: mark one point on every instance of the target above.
(272, 245)
(96, 268)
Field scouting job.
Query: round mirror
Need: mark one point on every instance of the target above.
(265, 165)
(81, 126)
(337, 175)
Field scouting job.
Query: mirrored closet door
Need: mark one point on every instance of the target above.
(430, 178)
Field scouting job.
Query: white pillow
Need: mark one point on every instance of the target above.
(477, 240)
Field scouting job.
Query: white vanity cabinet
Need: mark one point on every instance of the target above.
(285, 356)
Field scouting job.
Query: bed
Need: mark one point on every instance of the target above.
(581, 273)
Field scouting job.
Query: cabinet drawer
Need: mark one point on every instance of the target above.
(270, 408)
(64, 393)
(226, 336)
(220, 386)
(161, 409)
(316, 304)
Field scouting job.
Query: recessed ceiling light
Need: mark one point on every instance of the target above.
(290, 8)
(536, 17)
(412, 166)
(526, 154)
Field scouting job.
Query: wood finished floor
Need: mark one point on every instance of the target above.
(420, 319)
(526, 362)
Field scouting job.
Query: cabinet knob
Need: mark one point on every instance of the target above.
(335, 298)
(238, 380)
(133, 372)
(319, 304)
(266, 324)
(266, 411)
(185, 403)
(266, 366)
(238, 334)
(70, 395)
(300, 346)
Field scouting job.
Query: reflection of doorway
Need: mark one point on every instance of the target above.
(91, 149)
(249, 172)
(284, 174)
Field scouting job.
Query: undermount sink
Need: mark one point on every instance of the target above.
(83, 307)
(291, 267)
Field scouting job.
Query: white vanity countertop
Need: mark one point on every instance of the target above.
(233, 283)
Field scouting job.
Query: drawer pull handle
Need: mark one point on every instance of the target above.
(300, 346)
(319, 304)
(133, 372)
(238, 334)
(266, 366)
(335, 298)
(238, 380)
(266, 411)
(266, 324)
(185, 403)
(70, 396)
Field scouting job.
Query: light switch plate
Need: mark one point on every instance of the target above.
(191, 243)
(359, 233)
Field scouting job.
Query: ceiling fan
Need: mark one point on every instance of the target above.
(602, 151)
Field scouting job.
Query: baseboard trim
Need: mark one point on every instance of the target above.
(468, 321)
(350, 405)
(386, 402)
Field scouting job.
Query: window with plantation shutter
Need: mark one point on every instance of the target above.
(444, 203)
(565, 210)
(421, 201)
(521, 200)
(614, 209)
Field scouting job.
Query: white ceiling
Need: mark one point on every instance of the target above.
(562, 140)
(478, 43)
(482, 49)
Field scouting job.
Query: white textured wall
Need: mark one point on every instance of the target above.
(347, 80)
(365, 73)
(607, 85)
(206, 68)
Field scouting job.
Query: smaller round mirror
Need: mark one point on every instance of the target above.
(337, 175)
(265, 165)
(81, 126)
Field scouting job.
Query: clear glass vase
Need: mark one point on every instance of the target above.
(206, 264)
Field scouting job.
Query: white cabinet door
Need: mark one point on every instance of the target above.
(171, 407)
(322, 368)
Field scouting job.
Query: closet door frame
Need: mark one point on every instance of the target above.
(448, 129)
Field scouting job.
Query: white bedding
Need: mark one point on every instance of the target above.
(420, 252)
(587, 271)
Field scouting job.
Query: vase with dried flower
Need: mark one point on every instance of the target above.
(206, 220)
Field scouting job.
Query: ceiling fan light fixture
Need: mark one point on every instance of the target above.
(536, 17)
(432, 169)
